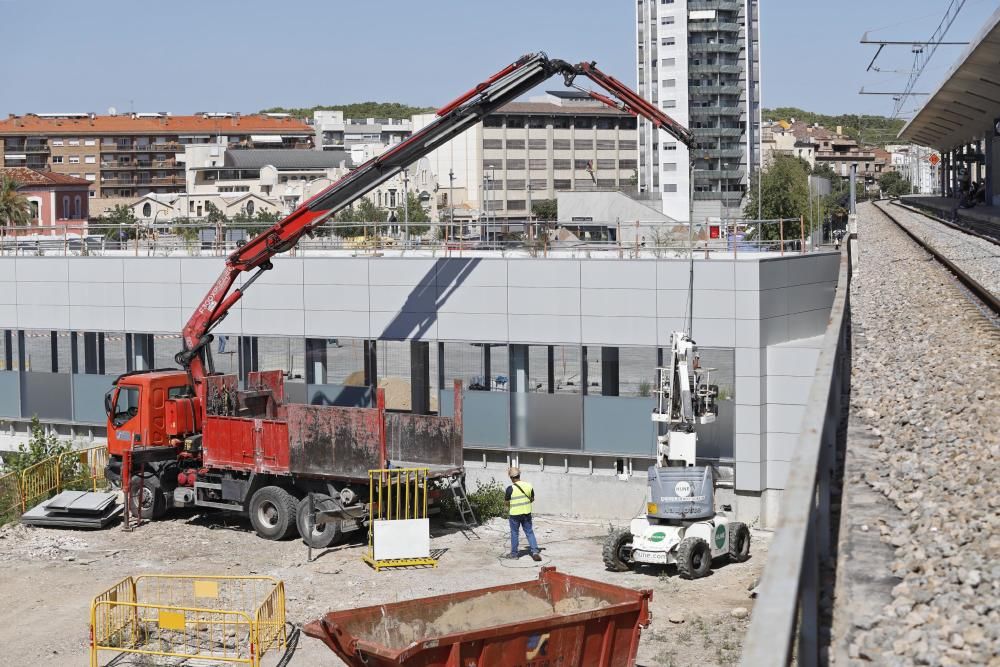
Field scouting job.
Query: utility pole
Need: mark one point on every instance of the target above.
(451, 202)
(406, 207)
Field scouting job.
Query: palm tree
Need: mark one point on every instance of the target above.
(15, 210)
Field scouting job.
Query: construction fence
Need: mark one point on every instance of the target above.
(79, 470)
(172, 619)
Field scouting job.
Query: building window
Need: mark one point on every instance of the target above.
(491, 144)
(57, 159)
(538, 164)
(57, 142)
(74, 142)
(91, 177)
(90, 159)
(493, 163)
(537, 144)
(669, 104)
(74, 159)
(670, 187)
(147, 210)
(515, 184)
(670, 146)
(560, 164)
(513, 165)
(250, 208)
(65, 207)
(669, 166)
(514, 144)
(89, 142)
(515, 205)
(669, 83)
(668, 62)
(668, 41)
(536, 122)
(667, 20)
(78, 207)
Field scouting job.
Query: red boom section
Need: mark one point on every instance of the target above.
(455, 117)
(633, 103)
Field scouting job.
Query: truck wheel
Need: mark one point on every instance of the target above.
(617, 550)
(323, 535)
(694, 558)
(739, 542)
(146, 498)
(272, 512)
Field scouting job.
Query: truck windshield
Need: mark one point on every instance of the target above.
(127, 405)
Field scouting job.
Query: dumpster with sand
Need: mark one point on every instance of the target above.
(557, 619)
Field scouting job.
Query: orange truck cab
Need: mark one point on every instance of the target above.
(152, 414)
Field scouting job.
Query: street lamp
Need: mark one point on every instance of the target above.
(451, 201)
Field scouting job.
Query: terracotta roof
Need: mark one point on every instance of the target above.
(168, 125)
(25, 177)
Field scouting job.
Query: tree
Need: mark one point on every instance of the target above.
(357, 110)
(121, 223)
(893, 184)
(784, 193)
(416, 214)
(15, 209)
(363, 211)
(544, 209)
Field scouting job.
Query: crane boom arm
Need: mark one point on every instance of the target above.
(454, 118)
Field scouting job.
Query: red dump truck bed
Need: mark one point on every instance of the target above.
(557, 620)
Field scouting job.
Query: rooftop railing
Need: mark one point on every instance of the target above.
(585, 239)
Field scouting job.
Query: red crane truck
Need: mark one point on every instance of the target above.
(198, 440)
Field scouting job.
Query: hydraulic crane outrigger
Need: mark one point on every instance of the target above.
(254, 458)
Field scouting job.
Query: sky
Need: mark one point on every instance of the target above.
(245, 55)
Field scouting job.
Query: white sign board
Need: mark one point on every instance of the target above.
(404, 538)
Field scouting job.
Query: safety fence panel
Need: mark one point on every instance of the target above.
(39, 482)
(83, 469)
(396, 495)
(187, 617)
(10, 496)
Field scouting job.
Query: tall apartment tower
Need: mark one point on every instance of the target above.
(698, 60)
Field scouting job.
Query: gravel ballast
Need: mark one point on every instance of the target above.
(977, 257)
(926, 385)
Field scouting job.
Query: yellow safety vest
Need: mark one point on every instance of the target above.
(520, 501)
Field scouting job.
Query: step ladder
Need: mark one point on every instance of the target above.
(469, 520)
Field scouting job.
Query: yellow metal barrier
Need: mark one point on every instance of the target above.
(216, 619)
(10, 496)
(39, 481)
(396, 494)
(83, 469)
(79, 469)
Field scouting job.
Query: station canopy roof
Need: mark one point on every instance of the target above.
(966, 105)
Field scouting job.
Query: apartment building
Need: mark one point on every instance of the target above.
(698, 60)
(527, 151)
(132, 155)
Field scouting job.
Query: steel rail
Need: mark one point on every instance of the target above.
(957, 227)
(987, 297)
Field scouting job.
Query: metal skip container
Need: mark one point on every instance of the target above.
(557, 619)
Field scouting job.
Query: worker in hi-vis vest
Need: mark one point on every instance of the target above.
(519, 496)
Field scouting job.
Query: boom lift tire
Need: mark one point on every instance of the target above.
(694, 558)
(614, 544)
(146, 496)
(272, 512)
(324, 535)
(739, 542)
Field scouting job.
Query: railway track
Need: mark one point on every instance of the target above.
(987, 295)
(983, 230)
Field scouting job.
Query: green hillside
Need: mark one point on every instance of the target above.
(357, 110)
(877, 130)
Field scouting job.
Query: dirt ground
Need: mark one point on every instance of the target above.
(49, 576)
